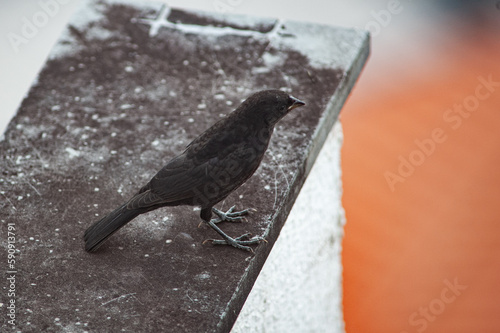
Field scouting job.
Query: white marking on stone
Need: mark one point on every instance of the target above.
(72, 153)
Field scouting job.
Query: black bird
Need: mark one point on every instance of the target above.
(211, 167)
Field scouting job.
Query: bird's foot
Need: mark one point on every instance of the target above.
(230, 216)
(241, 242)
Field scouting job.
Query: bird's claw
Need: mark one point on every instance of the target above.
(240, 242)
(231, 216)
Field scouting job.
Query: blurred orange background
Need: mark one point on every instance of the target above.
(422, 240)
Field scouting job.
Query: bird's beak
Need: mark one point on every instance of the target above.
(296, 103)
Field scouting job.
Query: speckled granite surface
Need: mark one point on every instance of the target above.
(124, 90)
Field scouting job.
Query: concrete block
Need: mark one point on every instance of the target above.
(127, 87)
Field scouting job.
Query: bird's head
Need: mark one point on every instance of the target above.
(269, 105)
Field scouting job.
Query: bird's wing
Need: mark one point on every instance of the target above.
(183, 176)
(162, 188)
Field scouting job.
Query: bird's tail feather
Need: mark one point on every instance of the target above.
(108, 225)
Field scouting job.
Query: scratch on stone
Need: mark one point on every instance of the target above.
(65, 212)
(281, 169)
(37, 153)
(161, 20)
(33, 187)
(145, 279)
(187, 266)
(187, 294)
(275, 189)
(2, 193)
(217, 63)
(115, 299)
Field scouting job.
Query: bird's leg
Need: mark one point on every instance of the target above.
(239, 242)
(229, 216)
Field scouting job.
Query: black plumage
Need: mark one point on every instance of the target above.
(212, 166)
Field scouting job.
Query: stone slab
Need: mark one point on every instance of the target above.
(125, 89)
